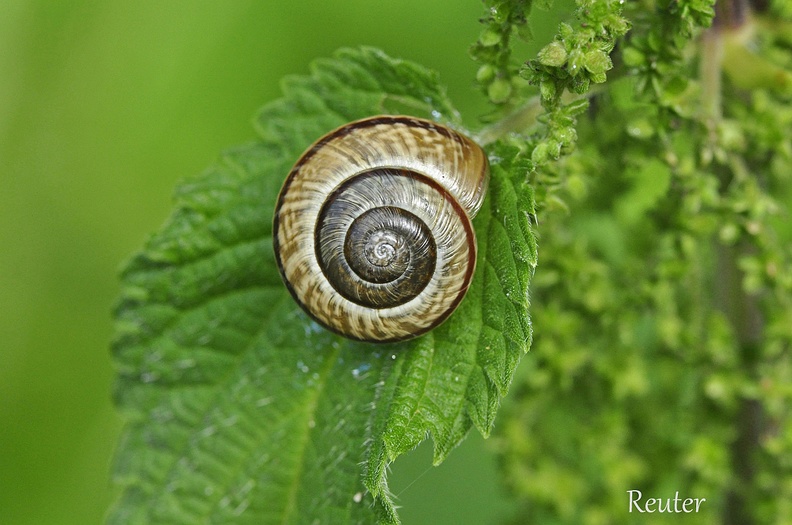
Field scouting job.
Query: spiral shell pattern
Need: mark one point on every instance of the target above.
(372, 228)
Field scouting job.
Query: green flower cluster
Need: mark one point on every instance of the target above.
(662, 302)
(566, 68)
(497, 74)
(579, 55)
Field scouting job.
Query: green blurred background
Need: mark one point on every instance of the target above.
(104, 106)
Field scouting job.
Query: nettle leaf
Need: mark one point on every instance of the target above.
(239, 408)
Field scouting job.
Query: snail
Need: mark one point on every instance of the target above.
(372, 229)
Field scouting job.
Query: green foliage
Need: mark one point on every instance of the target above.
(663, 332)
(655, 52)
(242, 409)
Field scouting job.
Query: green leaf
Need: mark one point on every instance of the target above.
(239, 408)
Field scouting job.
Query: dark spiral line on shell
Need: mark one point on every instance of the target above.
(385, 257)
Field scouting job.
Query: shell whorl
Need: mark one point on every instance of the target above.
(372, 228)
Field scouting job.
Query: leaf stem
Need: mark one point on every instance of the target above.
(519, 120)
(740, 307)
(524, 117)
(744, 314)
(710, 74)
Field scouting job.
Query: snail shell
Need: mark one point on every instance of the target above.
(372, 228)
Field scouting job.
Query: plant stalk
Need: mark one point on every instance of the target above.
(519, 120)
(741, 308)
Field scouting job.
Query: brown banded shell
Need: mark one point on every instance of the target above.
(372, 228)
